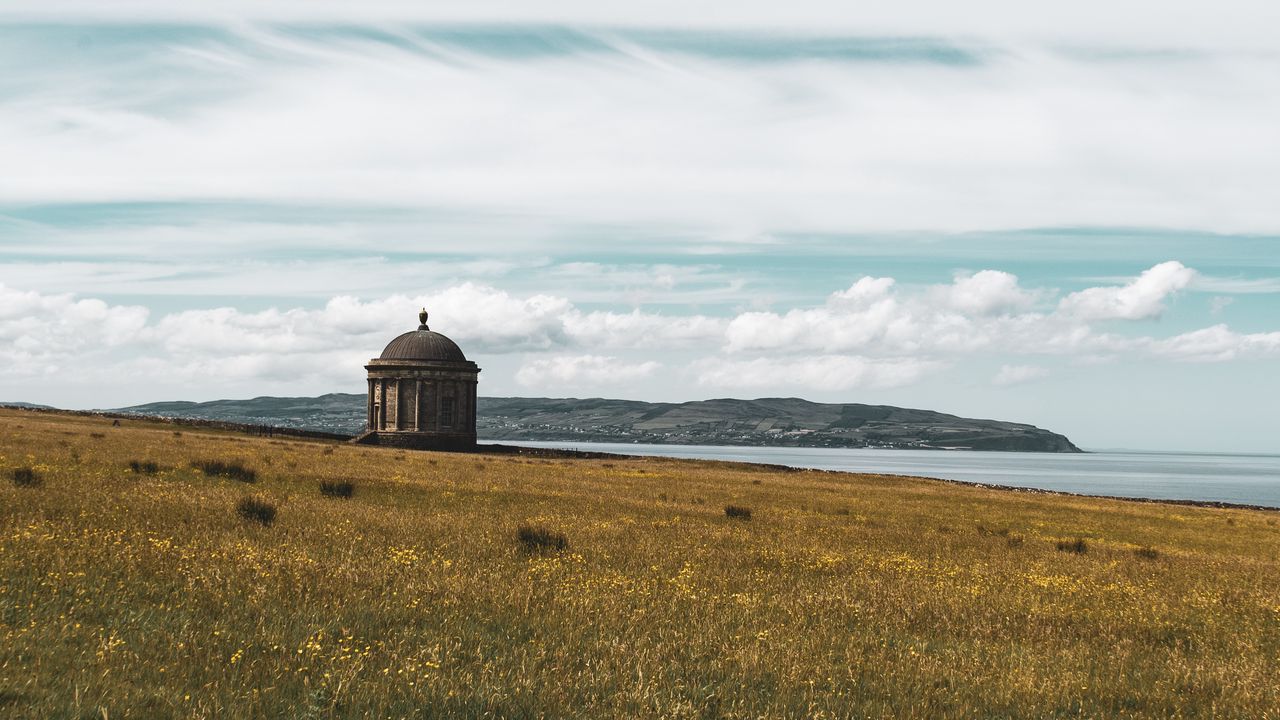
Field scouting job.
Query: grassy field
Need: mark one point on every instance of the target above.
(132, 585)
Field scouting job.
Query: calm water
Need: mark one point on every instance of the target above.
(1247, 479)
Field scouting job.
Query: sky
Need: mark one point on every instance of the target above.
(1066, 215)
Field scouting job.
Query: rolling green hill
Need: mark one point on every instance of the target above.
(786, 422)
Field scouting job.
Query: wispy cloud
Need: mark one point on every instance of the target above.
(1237, 285)
(1218, 344)
(708, 137)
(823, 372)
(1018, 374)
(1147, 22)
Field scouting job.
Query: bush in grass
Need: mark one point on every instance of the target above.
(335, 489)
(26, 477)
(537, 539)
(144, 467)
(737, 512)
(1077, 546)
(233, 470)
(256, 510)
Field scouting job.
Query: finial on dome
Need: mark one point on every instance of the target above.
(422, 319)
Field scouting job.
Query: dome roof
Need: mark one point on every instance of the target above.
(423, 344)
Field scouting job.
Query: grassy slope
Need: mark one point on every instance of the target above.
(844, 595)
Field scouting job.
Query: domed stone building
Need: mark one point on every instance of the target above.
(422, 393)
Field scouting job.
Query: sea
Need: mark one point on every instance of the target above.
(1201, 477)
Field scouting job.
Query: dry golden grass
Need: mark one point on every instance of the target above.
(131, 594)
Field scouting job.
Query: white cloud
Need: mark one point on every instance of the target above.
(826, 372)
(493, 320)
(578, 370)
(40, 332)
(864, 292)
(483, 318)
(987, 292)
(1217, 344)
(972, 313)
(987, 311)
(1142, 298)
(853, 319)
(1018, 374)
(873, 334)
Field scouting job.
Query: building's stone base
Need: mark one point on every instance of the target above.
(419, 441)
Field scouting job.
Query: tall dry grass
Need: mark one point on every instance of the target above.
(140, 595)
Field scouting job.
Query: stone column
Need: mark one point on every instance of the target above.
(382, 404)
(417, 405)
(474, 406)
(399, 405)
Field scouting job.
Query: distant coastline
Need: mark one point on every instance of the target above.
(492, 448)
(763, 422)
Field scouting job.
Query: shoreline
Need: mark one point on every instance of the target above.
(541, 452)
(597, 455)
